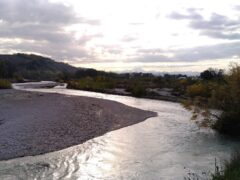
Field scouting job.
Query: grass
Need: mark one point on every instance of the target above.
(5, 84)
(231, 169)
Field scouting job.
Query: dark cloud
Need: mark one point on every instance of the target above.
(40, 25)
(217, 26)
(221, 35)
(40, 11)
(216, 22)
(220, 51)
(37, 32)
(58, 51)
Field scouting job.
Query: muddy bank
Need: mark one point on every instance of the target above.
(34, 123)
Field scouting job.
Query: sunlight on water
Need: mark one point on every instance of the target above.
(163, 147)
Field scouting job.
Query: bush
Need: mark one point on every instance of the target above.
(5, 84)
(228, 123)
(137, 90)
(229, 102)
(221, 95)
(199, 89)
(99, 84)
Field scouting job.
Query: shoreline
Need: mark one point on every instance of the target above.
(162, 98)
(34, 123)
(51, 84)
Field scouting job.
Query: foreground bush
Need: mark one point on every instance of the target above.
(222, 95)
(5, 84)
(227, 99)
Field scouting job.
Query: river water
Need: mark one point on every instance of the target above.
(168, 146)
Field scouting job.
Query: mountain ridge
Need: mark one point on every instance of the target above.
(31, 66)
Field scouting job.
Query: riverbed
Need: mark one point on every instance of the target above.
(168, 146)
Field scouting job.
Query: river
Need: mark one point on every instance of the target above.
(168, 146)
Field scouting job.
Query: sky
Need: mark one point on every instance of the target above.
(175, 36)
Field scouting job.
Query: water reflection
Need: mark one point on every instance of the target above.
(163, 147)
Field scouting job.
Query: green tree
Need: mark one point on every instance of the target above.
(211, 73)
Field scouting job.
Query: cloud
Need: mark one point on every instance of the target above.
(40, 11)
(216, 22)
(211, 52)
(111, 49)
(86, 38)
(217, 26)
(190, 14)
(40, 27)
(149, 58)
(38, 32)
(136, 23)
(221, 35)
(237, 7)
(196, 54)
(151, 51)
(58, 31)
(129, 38)
(58, 51)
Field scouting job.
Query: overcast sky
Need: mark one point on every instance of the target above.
(125, 35)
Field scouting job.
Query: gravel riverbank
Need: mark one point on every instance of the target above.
(33, 123)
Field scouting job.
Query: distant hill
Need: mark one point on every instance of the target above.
(19, 67)
(33, 67)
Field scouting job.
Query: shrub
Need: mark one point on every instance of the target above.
(137, 90)
(228, 100)
(5, 84)
(198, 90)
(99, 84)
(221, 95)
